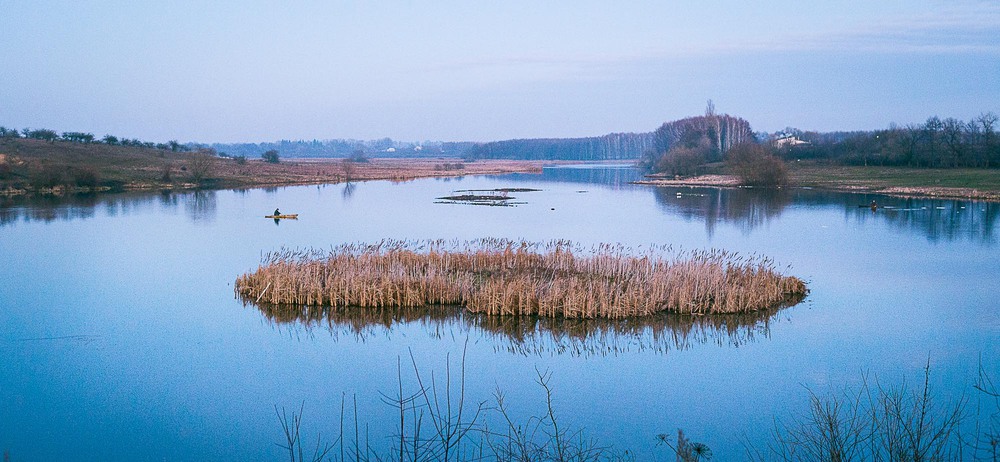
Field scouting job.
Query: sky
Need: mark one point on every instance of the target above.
(464, 70)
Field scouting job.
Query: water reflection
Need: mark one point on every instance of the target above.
(746, 208)
(610, 176)
(936, 219)
(533, 335)
(199, 206)
(749, 209)
(168, 199)
(348, 190)
(942, 220)
(48, 208)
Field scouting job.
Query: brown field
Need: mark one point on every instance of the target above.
(502, 277)
(28, 165)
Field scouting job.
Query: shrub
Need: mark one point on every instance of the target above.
(271, 157)
(41, 134)
(9, 133)
(48, 176)
(86, 177)
(683, 161)
(756, 165)
(358, 156)
(449, 166)
(872, 423)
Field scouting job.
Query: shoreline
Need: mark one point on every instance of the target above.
(68, 168)
(400, 170)
(312, 171)
(856, 187)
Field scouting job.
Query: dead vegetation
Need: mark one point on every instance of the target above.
(504, 277)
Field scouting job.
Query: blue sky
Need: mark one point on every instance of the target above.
(468, 70)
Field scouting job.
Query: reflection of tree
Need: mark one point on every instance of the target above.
(748, 208)
(946, 220)
(348, 190)
(200, 205)
(168, 199)
(48, 208)
(8, 215)
(610, 176)
(936, 219)
(531, 335)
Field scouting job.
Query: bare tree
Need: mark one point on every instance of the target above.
(348, 169)
(201, 166)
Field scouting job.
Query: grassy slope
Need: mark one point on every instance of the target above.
(959, 182)
(140, 168)
(113, 164)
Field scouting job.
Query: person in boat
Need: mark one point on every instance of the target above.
(874, 205)
(276, 212)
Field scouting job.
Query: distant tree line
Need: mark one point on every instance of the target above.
(384, 147)
(615, 146)
(86, 138)
(935, 143)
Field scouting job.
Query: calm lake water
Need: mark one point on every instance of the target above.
(121, 338)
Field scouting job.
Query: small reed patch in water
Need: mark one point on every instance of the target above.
(504, 277)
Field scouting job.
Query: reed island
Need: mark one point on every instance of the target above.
(507, 277)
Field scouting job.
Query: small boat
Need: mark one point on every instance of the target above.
(291, 216)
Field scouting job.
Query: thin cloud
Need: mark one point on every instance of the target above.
(957, 28)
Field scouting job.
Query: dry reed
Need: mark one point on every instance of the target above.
(505, 277)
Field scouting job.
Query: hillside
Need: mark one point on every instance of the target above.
(38, 166)
(30, 163)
